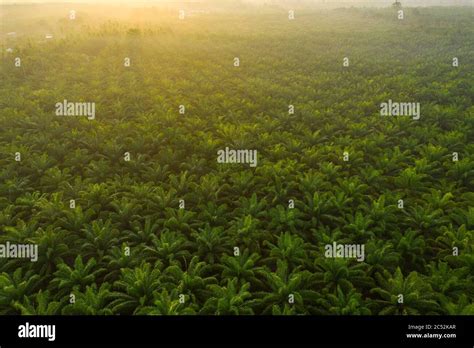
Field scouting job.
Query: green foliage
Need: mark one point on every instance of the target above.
(127, 247)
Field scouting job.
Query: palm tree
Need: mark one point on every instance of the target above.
(464, 306)
(370, 176)
(168, 247)
(14, 187)
(448, 282)
(417, 294)
(326, 235)
(54, 178)
(97, 238)
(14, 287)
(337, 272)
(240, 183)
(283, 219)
(8, 217)
(208, 188)
(345, 303)
(193, 281)
(462, 171)
(410, 179)
(381, 214)
(451, 237)
(211, 243)
(93, 301)
(74, 219)
(144, 233)
(340, 203)
(243, 268)
(389, 162)
(125, 211)
(425, 219)
(77, 277)
(285, 309)
(359, 226)
(98, 196)
(178, 220)
(136, 288)
(181, 182)
(252, 206)
(19, 233)
(168, 304)
(41, 305)
(308, 181)
(213, 214)
(155, 172)
(353, 188)
(329, 169)
(26, 204)
(161, 199)
(289, 248)
(232, 299)
(464, 216)
(116, 260)
(411, 246)
(464, 260)
(50, 209)
(380, 255)
(317, 207)
(54, 245)
(282, 283)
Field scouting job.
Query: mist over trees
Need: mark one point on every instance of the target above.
(279, 3)
(133, 213)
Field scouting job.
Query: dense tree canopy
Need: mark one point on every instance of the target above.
(183, 260)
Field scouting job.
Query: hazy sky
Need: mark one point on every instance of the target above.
(255, 1)
(281, 2)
